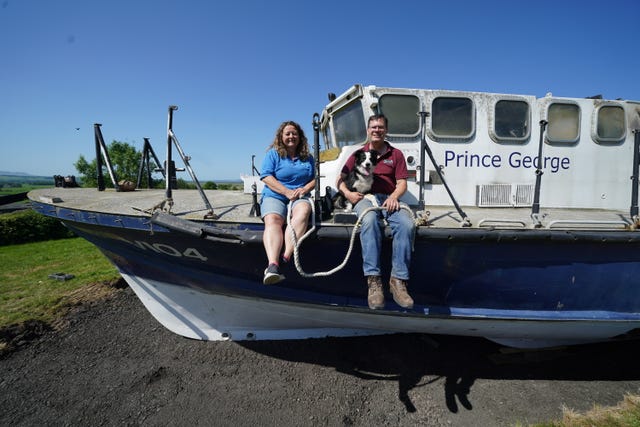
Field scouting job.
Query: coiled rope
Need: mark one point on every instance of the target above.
(356, 226)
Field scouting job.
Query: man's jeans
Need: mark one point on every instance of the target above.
(402, 228)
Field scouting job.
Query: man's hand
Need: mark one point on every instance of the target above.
(353, 196)
(391, 204)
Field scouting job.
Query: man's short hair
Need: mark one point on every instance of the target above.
(377, 117)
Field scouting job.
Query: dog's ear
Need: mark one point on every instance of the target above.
(374, 156)
(359, 156)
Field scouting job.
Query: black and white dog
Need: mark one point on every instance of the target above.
(360, 178)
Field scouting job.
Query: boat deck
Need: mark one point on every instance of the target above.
(236, 206)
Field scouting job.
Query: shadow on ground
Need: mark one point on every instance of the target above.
(415, 360)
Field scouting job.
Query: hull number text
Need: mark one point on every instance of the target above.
(170, 250)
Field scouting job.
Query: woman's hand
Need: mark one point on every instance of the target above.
(295, 194)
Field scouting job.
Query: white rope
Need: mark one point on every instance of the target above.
(297, 243)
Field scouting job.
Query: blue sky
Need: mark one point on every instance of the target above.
(236, 69)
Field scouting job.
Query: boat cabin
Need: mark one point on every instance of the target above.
(490, 147)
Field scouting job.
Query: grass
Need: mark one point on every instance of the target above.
(6, 191)
(625, 414)
(27, 292)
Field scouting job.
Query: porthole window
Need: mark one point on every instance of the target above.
(564, 123)
(452, 117)
(401, 112)
(610, 124)
(511, 120)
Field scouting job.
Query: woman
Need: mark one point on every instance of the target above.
(288, 172)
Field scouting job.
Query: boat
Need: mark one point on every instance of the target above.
(527, 227)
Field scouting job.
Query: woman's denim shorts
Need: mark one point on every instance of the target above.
(271, 205)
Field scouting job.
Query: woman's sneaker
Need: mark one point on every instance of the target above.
(272, 275)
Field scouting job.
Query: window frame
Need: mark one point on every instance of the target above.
(557, 141)
(596, 120)
(493, 119)
(391, 119)
(448, 137)
(338, 112)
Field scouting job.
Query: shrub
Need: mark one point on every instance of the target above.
(30, 226)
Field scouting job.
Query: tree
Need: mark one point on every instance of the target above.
(87, 171)
(125, 160)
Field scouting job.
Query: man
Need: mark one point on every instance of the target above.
(389, 184)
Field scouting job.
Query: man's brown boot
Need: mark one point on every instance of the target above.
(399, 291)
(376, 294)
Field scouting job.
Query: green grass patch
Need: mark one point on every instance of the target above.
(21, 188)
(27, 292)
(29, 226)
(625, 414)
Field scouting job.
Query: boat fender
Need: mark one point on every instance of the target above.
(125, 185)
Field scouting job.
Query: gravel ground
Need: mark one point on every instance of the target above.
(113, 364)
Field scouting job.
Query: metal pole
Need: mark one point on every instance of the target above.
(634, 178)
(102, 147)
(255, 206)
(144, 160)
(186, 159)
(535, 208)
(159, 167)
(466, 222)
(167, 166)
(316, 154)
(149, 179)
(100, 177)
(423, 142)
(254, 171)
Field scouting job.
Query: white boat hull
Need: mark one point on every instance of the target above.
(215, 317)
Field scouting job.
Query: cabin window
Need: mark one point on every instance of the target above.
(452, 117)
(349, 126)
(402, 113)
(564, 123)
(328, 141)
(512, 120)
(611, 126)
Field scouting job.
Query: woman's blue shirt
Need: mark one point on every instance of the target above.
(292, 173)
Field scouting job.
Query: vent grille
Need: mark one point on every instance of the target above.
(524, 195)
(505, 195)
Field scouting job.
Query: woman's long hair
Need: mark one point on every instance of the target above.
(302, 149)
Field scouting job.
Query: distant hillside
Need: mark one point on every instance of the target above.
(14, 173)
(17, 180)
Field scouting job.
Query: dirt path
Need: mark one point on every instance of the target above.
(115, 365)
